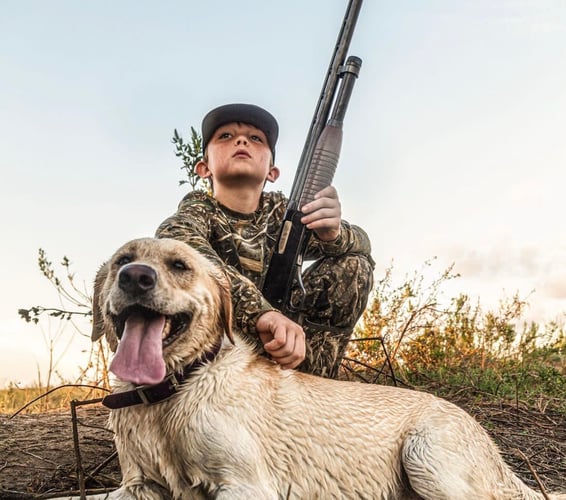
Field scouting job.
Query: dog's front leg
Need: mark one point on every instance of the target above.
(146, 491)
(135, 486)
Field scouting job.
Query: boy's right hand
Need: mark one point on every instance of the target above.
(283, 339)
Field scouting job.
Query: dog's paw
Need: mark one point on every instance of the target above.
(145, 491)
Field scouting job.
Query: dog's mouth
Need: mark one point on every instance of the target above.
(173, 326)
(144, 334)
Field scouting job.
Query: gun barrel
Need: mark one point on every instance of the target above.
(324, 104)
(315, 171)
(350, 72)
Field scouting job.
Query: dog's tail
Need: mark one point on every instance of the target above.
(516, 488)
(521, 490)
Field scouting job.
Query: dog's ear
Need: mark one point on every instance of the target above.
(225, 306)
(97, 321)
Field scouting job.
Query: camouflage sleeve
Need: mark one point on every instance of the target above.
(352, 239)
(192, 223)
(249, 304)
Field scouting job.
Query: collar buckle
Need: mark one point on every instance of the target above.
(154, 393)
(140, 391)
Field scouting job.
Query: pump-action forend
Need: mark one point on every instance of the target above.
(316, 169)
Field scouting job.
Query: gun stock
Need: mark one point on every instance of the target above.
(316, 170)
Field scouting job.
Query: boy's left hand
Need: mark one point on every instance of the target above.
(324, 214)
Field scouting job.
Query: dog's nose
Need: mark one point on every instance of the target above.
(137, 278)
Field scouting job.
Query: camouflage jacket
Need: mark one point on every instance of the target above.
(242, 245)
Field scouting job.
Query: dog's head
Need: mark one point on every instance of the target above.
(161, 305)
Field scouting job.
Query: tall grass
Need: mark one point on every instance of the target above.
(420, 340)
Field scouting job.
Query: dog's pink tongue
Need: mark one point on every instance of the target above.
(139, 357)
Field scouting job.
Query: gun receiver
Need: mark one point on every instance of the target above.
(315, 171)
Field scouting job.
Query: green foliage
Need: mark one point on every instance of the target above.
(420, 342)
(190, 154)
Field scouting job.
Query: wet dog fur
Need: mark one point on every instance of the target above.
(240, 427)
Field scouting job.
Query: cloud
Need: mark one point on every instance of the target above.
(498, 260)
(530, 16)
(554, 287)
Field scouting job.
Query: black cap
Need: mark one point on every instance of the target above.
(243, 113)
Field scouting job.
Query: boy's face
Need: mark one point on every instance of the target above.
(238, 154)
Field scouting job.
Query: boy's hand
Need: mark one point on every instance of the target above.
(324, 214)
(283, 339)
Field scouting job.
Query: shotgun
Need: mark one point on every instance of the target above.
(315, 171)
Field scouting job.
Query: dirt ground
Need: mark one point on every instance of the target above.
(38, 458)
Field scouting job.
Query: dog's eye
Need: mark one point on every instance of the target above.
(123, 260)
(179, 265)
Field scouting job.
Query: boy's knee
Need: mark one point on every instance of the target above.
(354, 270)
(357, 265)
(337, 289)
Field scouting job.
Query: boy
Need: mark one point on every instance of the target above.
(237, 226)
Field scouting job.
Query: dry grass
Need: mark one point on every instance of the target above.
(39, 400)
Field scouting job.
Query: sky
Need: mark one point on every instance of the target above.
(453, 141)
